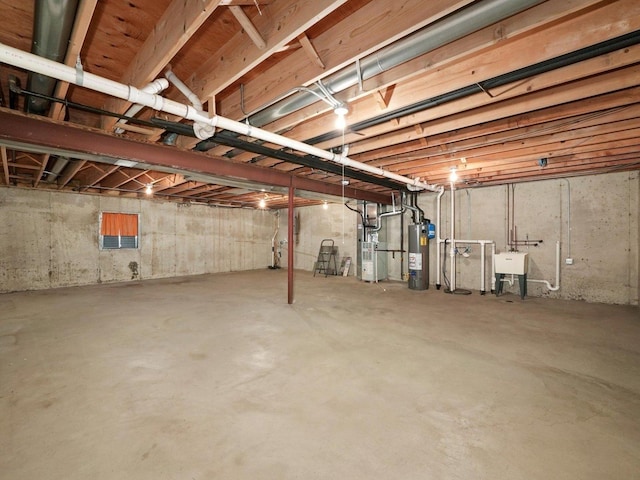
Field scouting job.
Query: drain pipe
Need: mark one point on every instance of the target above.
(547, 284)
(18, 58)
(452, 239)
(439, 238)
(157, 86)
(202, 130)
(273, 242)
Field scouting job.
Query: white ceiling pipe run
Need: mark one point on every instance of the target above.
(157, 86)
(202, 130)
(179, 84)
(18, 58)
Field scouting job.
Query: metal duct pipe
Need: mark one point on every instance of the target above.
(462, 23)
(57, 168)
(18, 58)
(378, 227)
(52, 25)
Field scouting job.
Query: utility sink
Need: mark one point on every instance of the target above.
(515, 263)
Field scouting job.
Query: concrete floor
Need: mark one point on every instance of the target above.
(216, 377)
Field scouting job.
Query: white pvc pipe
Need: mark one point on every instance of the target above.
(438, 236)
(157, 86)
(186, 91)
(483, 244)
(452, 252)
(493, 267)
(548, 285)
(18, 58)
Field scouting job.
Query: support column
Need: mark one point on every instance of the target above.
(290, 241)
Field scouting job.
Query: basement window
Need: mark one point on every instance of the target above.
(118, 230)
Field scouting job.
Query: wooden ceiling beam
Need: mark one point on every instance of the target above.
(496, 132)
(490, 63)
(515, 27)
(386, 22)
(286, 21)
(559, 170)
(478, 108)
(310, 50)
(530, 169)
(179, 22)
(91, 179)
(535, 119)
(122, 176)
(528, 160)
(569, 138)
(477, 43)
(248, 26)
(247, 3)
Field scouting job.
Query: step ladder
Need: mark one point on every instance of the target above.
(326, 262)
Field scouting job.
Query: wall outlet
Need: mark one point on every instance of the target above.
(569, 261)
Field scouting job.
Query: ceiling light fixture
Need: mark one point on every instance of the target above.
(262, 203)
(341, 111)
(325, 205)
(453, 176)
(148, 189)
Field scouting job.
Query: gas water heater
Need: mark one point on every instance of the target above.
(419, 235)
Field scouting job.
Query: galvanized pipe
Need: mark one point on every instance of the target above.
(462, 23)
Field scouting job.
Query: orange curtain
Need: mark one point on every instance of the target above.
(123, 224)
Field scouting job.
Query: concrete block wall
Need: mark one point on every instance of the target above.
(604, 243)
(51, 239)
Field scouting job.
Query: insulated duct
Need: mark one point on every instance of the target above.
(468, 20)
(52, 25)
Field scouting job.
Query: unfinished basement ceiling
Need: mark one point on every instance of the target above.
(503, 90)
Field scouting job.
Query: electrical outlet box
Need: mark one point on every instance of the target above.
(569, 261)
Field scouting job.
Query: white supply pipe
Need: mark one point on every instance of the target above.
(493, 267)
(568, 217)
(452, 252)
(18, 58)
(483, 244)
(439, 239)
(202, 130)
(186, 91)
(157, 86)
(547, 284)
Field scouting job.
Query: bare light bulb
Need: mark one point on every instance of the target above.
(341, 122)
(325, 205)
(453, 176)
(148, 189)
(262, 203)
